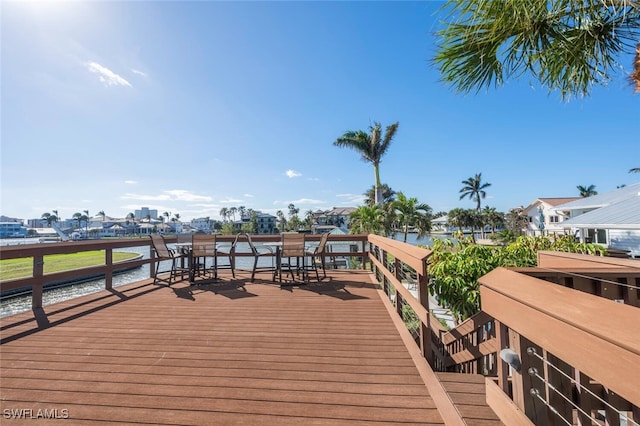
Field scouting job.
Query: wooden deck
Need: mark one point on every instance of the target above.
(234, 352)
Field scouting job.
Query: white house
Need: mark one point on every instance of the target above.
(611, 219)
(544, 219)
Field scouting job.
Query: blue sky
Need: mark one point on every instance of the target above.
(189, 107)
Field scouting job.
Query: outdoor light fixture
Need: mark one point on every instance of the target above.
(510, 356)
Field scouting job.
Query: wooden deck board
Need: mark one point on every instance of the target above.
(468, 393)
(229, 353)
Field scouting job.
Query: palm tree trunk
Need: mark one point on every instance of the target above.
(378, 193)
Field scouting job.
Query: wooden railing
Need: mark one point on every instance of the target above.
(578, 350)
(38, 279)
(575, 334)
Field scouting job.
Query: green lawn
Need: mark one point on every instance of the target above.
(11, 269)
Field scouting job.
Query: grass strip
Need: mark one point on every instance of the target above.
(11, 269)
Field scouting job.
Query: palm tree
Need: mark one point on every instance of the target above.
(565, 45)
(368, 220)
(102, 213)
(410, 213)
(474, 189)
(587, 191)
(86, 221)
(372, 146)
(634, 170)
(47, 217)
(493, 218)
(388, 195)
(281, 220)
(224, 214)
(56, 214)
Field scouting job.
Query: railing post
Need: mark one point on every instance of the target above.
(108, 275)
(38, 275)
(529, 404)
(153, 264)
(423, 298)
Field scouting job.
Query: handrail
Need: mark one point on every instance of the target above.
(37, 281)
(581, 352)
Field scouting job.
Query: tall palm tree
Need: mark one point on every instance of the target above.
(56, 214)
(587, 191)
(368, 220)
(634, 170)
(474, 189)
(565, 45)
(47, 217)
(224, 214)
(388, 195)
(410, 213)
(372, 146)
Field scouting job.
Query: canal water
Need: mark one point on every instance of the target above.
(14, 305)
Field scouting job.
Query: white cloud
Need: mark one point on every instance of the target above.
(307, 201)
(131, 182)
(182, 195)
(106, 76)
(292, 174)
(249, 195)
(171, 195)
(143, 74)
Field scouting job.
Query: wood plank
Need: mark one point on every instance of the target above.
(566, 323)
(233, 352)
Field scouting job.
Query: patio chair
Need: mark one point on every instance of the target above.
(228, 253)
(259, 252)
(317, 256)
(163, 253)
(203, 256)
(292, 255)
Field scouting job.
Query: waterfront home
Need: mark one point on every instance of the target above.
(543, 218)
(12, 230)
(611, 219)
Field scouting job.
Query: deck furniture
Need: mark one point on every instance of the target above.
(227, 255)
(163, 253)
(317, 256)
(292, 256)
(258, 253)
(203, 257)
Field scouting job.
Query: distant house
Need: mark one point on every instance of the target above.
(338, 217)
(266, 223)
(543, 217)
(611, 219)
(12, 230)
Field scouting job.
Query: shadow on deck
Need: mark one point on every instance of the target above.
(232, 352)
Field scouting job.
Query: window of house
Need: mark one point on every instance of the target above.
(530, 219)
(553, 219)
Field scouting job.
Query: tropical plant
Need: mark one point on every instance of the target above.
(47, 217)
(455, 267)
(368, 220)
(587, 191)
(372, 146)
(281, 220)
(634, 170)
(388, 195)
(567, 45)
(224, 214)
(474, 189)
(493, 218)
(411, 214)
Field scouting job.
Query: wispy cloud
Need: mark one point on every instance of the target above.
(249, 195)
(352, 198)
(182, 195)
(131, 182)
(170, 195)
(292, 174)
(307, 201)
(143, 74)
(106, 76)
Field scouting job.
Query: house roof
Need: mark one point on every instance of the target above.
(621, 215)
(551, 201)
(602, 200)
